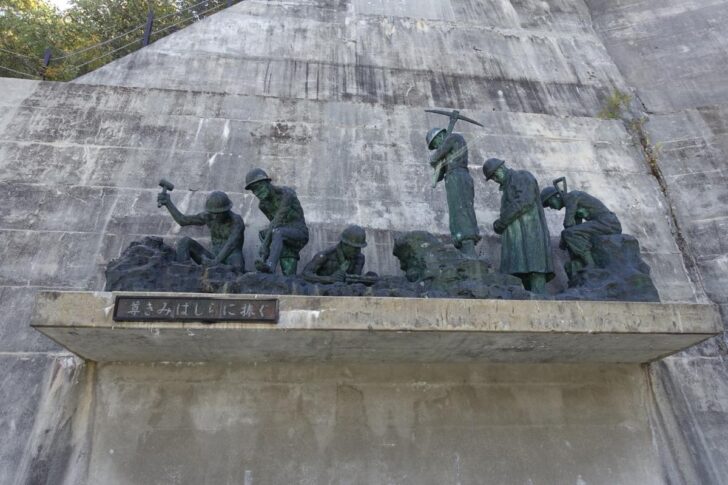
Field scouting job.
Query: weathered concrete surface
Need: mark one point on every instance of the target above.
(105, 160)
(318, 329)
(314, 91)
(673, 53)
(351, 424)
(44, 418)
(515, 56)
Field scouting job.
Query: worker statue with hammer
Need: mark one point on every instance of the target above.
(449, 159)
(287, 233)
(227, 230)
(585, 217)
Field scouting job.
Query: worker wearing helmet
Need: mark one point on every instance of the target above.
(585, 217)
(450, 158)
(287, 233)
(338, 262)
(525, 243)
(227, 232)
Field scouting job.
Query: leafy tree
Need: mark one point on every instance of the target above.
(88, 35)
(27, 27)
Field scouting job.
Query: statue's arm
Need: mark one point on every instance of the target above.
(234, 241)
(310, 271)
(443, 150)
(520, 201)
(571, 205)
(184, 219)
(285, 206)
(359, 265)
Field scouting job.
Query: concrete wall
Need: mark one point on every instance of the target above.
(673, 53)
(329, 96)
(351, 424)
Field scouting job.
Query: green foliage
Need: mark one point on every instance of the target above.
(615, 104)
(27, 27)
(88, 35)
(650, 150)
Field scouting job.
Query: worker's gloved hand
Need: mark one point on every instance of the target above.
(164, 199)
(339, 276)
(499, 227)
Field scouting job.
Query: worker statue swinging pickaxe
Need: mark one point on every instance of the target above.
(449, 158)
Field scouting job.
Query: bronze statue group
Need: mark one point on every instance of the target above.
(525, 249)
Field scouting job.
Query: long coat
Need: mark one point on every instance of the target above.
(526, 245)
(459, 188)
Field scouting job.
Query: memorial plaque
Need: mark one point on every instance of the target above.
(194, 309)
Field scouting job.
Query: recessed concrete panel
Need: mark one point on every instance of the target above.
(371, 424)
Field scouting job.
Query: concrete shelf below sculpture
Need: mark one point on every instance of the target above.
(368, 329)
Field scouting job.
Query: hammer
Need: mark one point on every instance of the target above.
(166, 185)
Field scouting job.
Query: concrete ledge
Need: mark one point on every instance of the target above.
(313, 329)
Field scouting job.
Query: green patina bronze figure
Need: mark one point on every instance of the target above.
(586, 217)
(342, 263)
(450, 161)
(227, 231)
(526, 247)
(287, 233)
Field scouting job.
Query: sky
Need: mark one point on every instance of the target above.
(61, 4)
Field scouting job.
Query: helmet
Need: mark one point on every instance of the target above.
(547, 193)
(255, 175)
(354, 236)
(490, 166)
(432, 134)
(218, 202)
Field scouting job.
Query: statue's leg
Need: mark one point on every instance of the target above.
(467, 247)
(525, 280)
(188, 248)
(280, 236)
(274, 250)
(578, 239)
(537, 283)
(236, 260)
(289, 266)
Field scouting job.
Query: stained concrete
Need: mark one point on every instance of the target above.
(673, 53)
(322, 92)
(350, 424)
(366, 329)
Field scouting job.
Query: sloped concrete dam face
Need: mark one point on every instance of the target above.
(328, 95)
(352, 423)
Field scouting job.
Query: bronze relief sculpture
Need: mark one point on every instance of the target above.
(525, 243)
(287, 233)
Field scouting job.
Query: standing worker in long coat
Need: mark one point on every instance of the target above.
(526, 245)
(450, 159)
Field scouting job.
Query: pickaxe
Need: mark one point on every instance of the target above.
(454, 116)
(560, 186)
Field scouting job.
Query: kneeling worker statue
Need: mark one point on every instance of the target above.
(585, 217)
(287, 233)
(526, 245)
(342, 263)
(227, 232)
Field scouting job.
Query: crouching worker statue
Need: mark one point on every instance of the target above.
(342, 263)
(287, 233)
(585, 217)
(227, 232)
